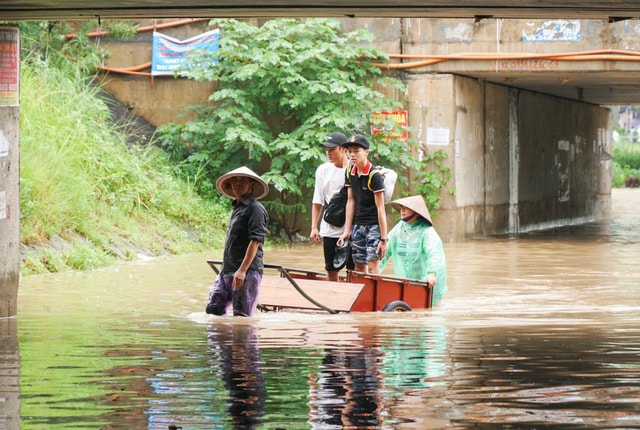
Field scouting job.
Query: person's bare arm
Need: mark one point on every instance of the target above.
(382, 223)
(349, 214)
(249, 255)
(316, 210)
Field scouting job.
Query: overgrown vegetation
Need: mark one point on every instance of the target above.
(86, 198)
(282, 88)
(626, 165)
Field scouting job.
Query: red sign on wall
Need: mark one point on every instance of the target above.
(380, 123)
(9, 66)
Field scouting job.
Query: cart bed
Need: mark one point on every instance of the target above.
(278, 292)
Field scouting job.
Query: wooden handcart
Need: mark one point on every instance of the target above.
(291, 288)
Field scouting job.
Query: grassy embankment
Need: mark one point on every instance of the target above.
(87, 200)
(626, 166)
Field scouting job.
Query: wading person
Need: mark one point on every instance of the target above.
(366, 219)
(416, 247)
(241, 272)
(329, 181)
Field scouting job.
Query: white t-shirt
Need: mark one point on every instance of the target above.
(329, 180)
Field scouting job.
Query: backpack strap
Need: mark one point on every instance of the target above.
(374, 170)
(347, 171)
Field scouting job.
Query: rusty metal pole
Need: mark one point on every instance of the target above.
(9, 169)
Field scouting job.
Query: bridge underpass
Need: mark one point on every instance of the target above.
(489, 114)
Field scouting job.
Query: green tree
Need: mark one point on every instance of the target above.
(281, 89)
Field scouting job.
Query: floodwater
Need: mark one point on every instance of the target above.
(536, 331)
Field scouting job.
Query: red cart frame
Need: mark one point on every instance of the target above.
(356, 292)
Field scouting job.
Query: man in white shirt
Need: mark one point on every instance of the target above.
(330, 179)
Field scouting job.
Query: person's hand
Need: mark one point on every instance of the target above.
(342, 238)
(314, 236)
(431, 280)
(382, 248)
(238, 278)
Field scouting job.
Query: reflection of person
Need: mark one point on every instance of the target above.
(235, 356)
(366, 219)
(347, 393)
(414, 359)
(416, 247)
(330, 177)
(242, 266)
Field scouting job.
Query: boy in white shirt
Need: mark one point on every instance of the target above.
(330, 179)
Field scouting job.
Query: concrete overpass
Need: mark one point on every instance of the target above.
(478, 9)
(606, 86)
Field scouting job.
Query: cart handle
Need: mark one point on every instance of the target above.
(283, 270)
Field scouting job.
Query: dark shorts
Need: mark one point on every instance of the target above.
(364, 243)
(329, 246)
(244, 299)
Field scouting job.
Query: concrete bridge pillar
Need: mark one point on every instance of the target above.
(9, 170)
(520, 160)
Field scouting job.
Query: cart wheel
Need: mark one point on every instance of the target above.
(396, 306)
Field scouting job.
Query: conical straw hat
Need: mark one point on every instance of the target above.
(415, 203)
(223, 184)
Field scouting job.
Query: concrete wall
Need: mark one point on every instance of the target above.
(562, 146)
(9, 211)
(520, 160)
(9, 172)
(459, 36)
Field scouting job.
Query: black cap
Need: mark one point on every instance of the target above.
(358, 140)
(335, 139)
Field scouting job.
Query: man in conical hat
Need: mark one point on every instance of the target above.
(416, 247)
(241, 272)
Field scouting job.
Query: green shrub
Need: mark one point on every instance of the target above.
(627, 154)
(626, 165)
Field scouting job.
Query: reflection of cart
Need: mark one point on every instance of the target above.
(356, 292)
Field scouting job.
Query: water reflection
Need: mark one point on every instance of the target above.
(346, 390)
(416, 366)
(235, 356)
(536, 331)
(550, 377)
(9, 370)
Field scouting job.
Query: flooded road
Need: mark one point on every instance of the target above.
(536, 331)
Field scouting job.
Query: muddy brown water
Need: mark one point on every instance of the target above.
(536, 331)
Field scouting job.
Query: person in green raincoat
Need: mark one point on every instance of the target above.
(415, 246)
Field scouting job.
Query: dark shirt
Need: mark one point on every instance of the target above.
(248, 222)
(366, 212)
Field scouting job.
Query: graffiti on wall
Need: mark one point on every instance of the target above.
(552, 31)
(562, 165)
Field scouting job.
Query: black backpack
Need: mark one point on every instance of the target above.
(335, 210)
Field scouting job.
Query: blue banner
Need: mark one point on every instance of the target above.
(168, 54)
